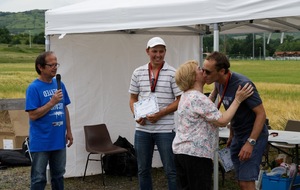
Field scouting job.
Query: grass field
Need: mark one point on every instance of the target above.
(17, 69)
(278, 82)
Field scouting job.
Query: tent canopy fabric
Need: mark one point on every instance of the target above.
(106, 41)
(97, 69)
(137, 15)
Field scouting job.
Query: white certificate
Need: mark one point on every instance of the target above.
(225, 159)
(145, 106)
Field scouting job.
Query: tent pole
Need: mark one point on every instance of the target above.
(216, 37)
(47, 43)
(281, 37)
(264, 47)
(216, 158)
(201, 50)
(253, 47)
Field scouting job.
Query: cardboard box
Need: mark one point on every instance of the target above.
(19, 131)
(6, 136)
(277, 182)
(17, 140)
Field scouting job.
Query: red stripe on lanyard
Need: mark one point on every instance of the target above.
(153, 81)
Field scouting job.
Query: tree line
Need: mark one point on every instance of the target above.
(23, 38)
(247, 44)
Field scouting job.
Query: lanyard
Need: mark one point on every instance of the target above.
(225, 88)
(153, 80)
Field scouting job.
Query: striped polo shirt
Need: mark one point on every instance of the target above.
(166, 91)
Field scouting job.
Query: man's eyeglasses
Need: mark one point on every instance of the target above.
(53, 65)
(206, 71)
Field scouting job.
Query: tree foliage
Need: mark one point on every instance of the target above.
(249, 45)
(39, 39)
(5, 36)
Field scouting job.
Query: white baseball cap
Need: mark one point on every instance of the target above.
(155, 41)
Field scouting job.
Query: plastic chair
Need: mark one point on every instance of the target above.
(292, 125)
(98, 141)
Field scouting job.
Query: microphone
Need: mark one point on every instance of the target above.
(58, 78)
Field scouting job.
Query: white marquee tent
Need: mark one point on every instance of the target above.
(100, 43)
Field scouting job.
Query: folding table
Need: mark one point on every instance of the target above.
(288, 137)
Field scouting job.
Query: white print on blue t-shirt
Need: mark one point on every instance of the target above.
(227, 100)
(47, 93)
(57, 124)
(58, 106)
(57, 114)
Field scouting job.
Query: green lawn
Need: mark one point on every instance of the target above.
(19, 53)
(284, 72)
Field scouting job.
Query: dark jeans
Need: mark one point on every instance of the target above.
(57, 164)
(193, 173)
(144, 147)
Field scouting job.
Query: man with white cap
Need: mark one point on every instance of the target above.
(155, 79)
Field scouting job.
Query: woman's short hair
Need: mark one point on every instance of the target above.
(185, 75)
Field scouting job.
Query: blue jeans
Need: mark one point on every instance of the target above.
(144, 146)
(57, 164)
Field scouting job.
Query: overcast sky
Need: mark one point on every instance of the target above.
(26, 5)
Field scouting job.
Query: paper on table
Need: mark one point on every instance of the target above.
(145, 106)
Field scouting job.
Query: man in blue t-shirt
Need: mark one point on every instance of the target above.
(50, 130)
(248, 132)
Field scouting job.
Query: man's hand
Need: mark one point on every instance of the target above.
(245, 152)
(69, 138)
(153, 118)
(57, 97)
(141, 121)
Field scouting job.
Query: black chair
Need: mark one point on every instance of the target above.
(98, 141)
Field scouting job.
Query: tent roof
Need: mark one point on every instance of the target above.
(132, 15)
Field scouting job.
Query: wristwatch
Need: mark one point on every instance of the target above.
(251, 141)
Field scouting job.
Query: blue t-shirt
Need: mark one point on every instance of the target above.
(243, 120)
(48, 132)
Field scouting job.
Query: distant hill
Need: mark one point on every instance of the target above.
(23, 22)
